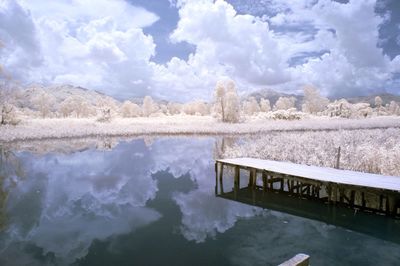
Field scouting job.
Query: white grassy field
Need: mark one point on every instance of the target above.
(366, 150)
(368, 145)
(35, 129)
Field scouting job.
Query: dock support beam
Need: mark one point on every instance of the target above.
(221, 173)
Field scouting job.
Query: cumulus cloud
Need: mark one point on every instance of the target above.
(20, 48)
(329, 44)
(241, 46)
(278, 44)
(353, 63)
(99, 46)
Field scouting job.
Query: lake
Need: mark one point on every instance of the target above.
(152, 202)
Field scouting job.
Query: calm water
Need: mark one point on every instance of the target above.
(153, 203)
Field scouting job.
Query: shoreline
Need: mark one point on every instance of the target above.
(52, 129)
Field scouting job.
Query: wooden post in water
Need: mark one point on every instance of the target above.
(237, 177)
(264, 179)
(254, 178)
(216, 178)
(338, 159)
(236, 181)
(391, 206)
(221, 184)
(298, 260)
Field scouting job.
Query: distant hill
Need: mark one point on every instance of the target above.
(386, 98)
(60, 92)
(273, 96)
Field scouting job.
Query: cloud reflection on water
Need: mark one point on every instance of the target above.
(75, 198)
(70, 199)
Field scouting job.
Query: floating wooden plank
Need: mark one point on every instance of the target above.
(298, 260)
(322, 174)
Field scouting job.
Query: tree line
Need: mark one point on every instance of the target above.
(226, 106)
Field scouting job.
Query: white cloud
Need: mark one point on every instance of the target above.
(17, 34)
(338, 43)
(354, 63)
(226, 43)
(99, 46)
(102, 46)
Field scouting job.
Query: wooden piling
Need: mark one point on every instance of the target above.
(221, 183)
(298, 260)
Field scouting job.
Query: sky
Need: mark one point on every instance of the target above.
(178, 49)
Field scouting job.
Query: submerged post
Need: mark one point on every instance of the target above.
(237, 177)
(221, 173)
(236, 186)
(216, 178)
(298, 260)
(338, 159)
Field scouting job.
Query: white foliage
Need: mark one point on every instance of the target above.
(8, 110)
(394, 108)
(367, 150)
(76, 106)
(174, 108)
(251, 107)
(196, 108)
(149, 107)
(44, 102)
(265, 105)
(73, 127)
(232, 113)
(130, 109)
(219, 99)
(9, 114)
(227, 108)
(285, 103)
(339, 108)
(313, 101)
(289, 114)
(378, 101)
(107, 108)
(361, 110)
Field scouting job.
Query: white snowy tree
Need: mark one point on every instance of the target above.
(75, 105)
(163, 109)
(8, 91)
(251, 107)
(130, 109)
(378, 102)
(394, 108)
(222, 90)
(107, 108)
(219, 99)
(361, 110)
(43, 102)
(149, 107)
(313, 101)
(196, 108)
(232, 107)
(339, 108)
(265, 105)
(66, 107)
(7, 108)
(285, 103)
(380, 110)
(174, 108)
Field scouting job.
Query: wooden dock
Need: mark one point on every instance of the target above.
(360, 191)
